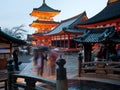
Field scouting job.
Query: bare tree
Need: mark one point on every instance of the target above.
(17, 31)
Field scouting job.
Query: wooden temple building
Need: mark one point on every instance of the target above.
(103, 28)
(61, 34)
(7, 43)
(109, 16)
(63, 39)
(44, 23)
(51, 33)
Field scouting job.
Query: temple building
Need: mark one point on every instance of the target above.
(102, 29)
(7, 43)
(44, 22)
(63, 39)
(61, 34)
(51, 33)
(109, 16)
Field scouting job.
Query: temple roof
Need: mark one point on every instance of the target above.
(46, 22)
(39, 23)
(75, 30)
(46, 8)
(10, 39)
(38, 34)
(96, 35)
(66, 24)
(111, 11)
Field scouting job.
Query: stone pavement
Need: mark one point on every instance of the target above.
(25, 59)
(71, 66)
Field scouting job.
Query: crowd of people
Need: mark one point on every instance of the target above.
(44, 61)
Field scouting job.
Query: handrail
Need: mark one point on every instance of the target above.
(30, 82)
(5, 83)
(104, 69)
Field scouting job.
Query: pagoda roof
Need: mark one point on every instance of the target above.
(111, 11)
(46, 22)
(97, 35)
(10, 39)
(46, 8)
(68, 23)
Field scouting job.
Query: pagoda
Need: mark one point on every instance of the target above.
(44, 23)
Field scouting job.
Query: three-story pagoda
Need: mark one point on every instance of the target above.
(44, 22)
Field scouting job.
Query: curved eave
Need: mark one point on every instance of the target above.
(96, 35)
(39, 25)
(81, 17)
(37, 34)
(45, 22)
(109, 12)
(68, 23)
(10, 39)
(50, 33)
(36, 13)
(75, 31)
(69, 31)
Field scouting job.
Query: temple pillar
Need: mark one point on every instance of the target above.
(68, 41)
(87, 52)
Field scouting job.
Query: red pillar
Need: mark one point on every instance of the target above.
(60, 40)
(68, 41)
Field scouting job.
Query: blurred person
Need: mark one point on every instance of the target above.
(38, 61)
(52, 56)
(15, 59)
(100, 54)
(118, 52)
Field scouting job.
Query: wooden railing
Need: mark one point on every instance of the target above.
(38, 83)
(30, 83)
(4, 81)
(101, 69)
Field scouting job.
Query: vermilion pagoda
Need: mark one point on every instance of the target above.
(44, 22)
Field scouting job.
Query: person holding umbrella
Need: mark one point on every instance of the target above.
(52, 56)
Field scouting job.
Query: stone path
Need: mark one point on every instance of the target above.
(71, 66)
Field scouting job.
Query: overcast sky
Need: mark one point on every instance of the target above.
(16, 12)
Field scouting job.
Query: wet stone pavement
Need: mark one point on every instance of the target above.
(72, 72)
(71, 65)
(26, 68)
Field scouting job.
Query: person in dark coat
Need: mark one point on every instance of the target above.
(15, 59)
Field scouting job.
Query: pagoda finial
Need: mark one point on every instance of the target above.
(43, 1)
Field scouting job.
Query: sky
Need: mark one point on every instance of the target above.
(16, 12)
